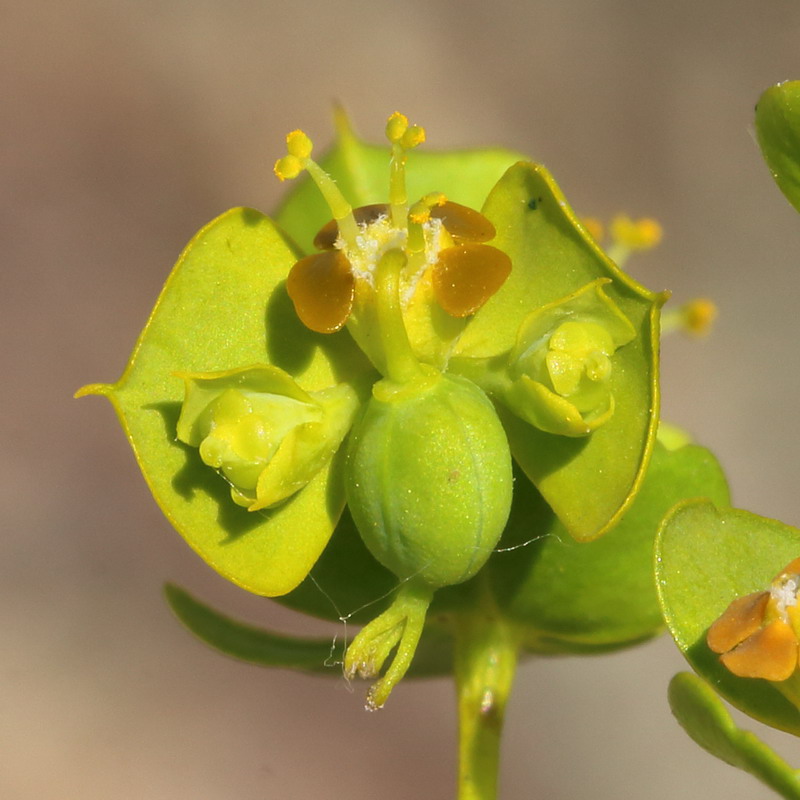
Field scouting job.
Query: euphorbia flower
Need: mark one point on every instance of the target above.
(447, 265)
(267, 437)
(399, 326)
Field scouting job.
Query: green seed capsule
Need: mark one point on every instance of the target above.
(429, 478)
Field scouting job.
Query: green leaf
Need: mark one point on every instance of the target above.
(268, 649)
(778, 130)
(706, 558)
(703, 716)
(252, 644)
(588, 482)
(582, 596)
(225, 306)
(362, 172)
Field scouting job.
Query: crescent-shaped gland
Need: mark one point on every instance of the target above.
(770, 653)
(464, 224)
(328, 234)
(322, 288)
(742, 618)
(467, 275)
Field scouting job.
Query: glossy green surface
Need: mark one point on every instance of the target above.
(224, 306)
(573, 596)
(428, 479)
(707, 557)
(588, 482)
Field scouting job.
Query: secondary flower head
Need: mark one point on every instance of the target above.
(447, 273)
(758, 635)
(265, 435)
(561, 366)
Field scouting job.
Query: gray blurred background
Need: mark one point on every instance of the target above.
(126, 126)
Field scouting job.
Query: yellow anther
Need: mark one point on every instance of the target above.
(299, 145)
(396, 126)
(594, 227)
(434, 199)
(640, 234)
(421, 210)
(299, 148)
(288, 167)
(419, 213)
(694, 318)
(413, 137)
(698, 316)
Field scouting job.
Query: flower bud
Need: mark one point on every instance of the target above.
(266, 436)
(429, 478)
(560, 369)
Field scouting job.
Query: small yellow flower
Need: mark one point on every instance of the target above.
(443, 245)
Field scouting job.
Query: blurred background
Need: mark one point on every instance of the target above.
(129, 124)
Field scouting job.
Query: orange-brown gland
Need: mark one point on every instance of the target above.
(771, 653)
(322, 288)
(328, 234)
(463, 223)
(467, 275)
(743, 617)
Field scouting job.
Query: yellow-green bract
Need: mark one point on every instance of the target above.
(225, 306)
(778, 129)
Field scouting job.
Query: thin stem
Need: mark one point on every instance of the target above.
(486, 659)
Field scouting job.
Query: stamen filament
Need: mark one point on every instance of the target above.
(342, 210)
(418, 215)
(398, 197)
(403, 138)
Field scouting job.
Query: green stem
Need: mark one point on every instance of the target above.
(400, 626)
(401, 363)
(485, 661)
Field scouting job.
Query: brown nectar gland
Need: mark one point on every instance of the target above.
(322, 288)
(467, 275)
(464, 224)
